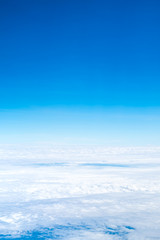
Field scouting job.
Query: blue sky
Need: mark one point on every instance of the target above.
(74, 57)
(104, 126)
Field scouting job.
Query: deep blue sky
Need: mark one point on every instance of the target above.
(79, 53)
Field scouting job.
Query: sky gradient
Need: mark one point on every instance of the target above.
(79, 119)
(67, 58)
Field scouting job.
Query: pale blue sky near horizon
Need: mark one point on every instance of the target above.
(108, 126)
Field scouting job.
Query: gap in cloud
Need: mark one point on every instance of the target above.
(73, 231)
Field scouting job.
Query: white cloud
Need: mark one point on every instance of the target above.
(80, 199)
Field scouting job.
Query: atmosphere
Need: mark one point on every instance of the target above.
(79, 53)
(80, 71)
(79, 119)
(77, 125)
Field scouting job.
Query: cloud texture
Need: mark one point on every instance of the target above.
(79, 192)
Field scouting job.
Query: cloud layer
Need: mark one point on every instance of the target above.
(79, 192)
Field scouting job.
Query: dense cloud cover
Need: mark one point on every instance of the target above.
(79, 192)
